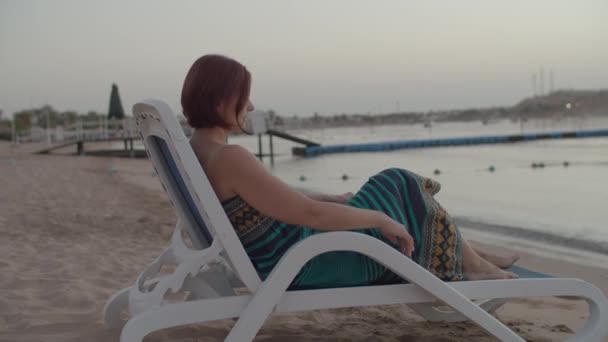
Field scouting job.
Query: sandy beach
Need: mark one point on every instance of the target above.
(76, 229)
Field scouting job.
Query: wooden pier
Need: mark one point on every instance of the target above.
(259, 126)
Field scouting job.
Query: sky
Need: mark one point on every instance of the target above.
(324, 56)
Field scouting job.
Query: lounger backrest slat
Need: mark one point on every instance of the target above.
(183, 199)
(188, 187)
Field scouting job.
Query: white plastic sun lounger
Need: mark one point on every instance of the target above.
(204, 273)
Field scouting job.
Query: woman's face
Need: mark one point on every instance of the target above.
(242, 116)
(240, 119)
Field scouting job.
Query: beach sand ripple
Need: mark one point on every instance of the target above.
(73, 233)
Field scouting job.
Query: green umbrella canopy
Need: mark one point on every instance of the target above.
(115, 111)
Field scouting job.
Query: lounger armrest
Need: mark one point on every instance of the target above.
(269, 294)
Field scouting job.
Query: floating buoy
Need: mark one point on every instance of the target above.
(302, 178)
(541, 164)
(113, 169)
(534, 165)
(566, 163)
(344, 177)
(437, 172)
(491, 168)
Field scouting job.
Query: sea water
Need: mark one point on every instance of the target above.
(562, 205)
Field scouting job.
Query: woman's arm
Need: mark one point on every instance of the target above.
(268, 194)
(317, 196)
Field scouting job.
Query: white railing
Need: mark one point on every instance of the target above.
(81, 130)
(104, 129)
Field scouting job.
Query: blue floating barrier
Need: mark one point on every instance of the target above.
(460, 141)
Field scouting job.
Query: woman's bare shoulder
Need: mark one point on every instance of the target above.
(231, 155)
(225, 164)
(212, 157)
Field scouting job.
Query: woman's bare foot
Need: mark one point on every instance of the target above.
(486, 270)
(502, 261)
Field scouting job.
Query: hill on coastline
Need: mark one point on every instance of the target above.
(558, 104)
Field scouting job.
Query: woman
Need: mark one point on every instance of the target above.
(395, 206)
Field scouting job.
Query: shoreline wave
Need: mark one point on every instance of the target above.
(543, 237)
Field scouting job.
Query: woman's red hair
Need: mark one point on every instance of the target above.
(211, 81)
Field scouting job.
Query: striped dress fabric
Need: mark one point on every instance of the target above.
(401, 194)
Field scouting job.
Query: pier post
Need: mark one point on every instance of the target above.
(14, 132)
(260, 147)
(271, 149)
(80, 147)
(131, 150)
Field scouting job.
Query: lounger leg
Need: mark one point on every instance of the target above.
(173, 315)
(114, 307)
(260, 307)
(596, 327)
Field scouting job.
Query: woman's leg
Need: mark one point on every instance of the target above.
(440, 248)
(476, 268)
(502, 261)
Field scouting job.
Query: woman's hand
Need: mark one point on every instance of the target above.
(396, 233)
(343, 198)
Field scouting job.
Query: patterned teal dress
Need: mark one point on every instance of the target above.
(401, 194)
